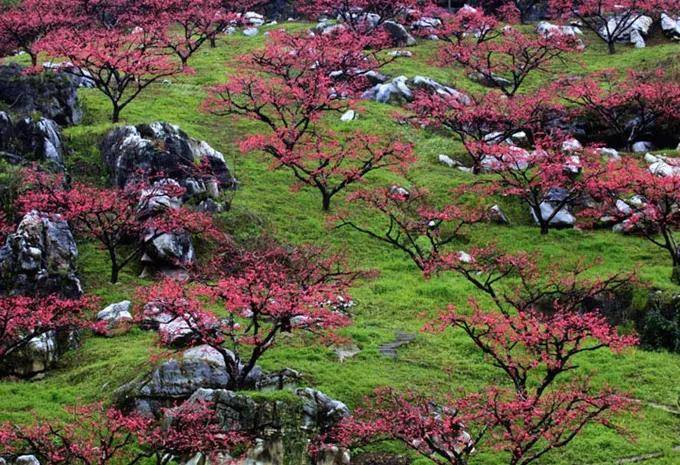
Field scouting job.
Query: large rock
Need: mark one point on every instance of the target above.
(31, 140)
(40, 258)
(563, 217)
(432, 86)
(169, 250)
(394, 91)
(670, 26)
(115, 319)
(398, 33)
(160, 148)
(282, 425)
(40, 354)
(52, 95)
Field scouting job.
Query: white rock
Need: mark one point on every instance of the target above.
(349, 115)
(571, 145)
(446, 160)
(642, 147)
(250, 31)
(203, 353)
(608, 153)
(465, 257)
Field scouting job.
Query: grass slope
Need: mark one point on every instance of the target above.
(390, 303)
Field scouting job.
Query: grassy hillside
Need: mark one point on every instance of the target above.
(393, 301)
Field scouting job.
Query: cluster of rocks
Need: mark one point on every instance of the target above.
(282, 423)
(547, 29)
(634, 30)
(164, 154)
(401, 89)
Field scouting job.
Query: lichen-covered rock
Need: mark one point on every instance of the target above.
(52, 95)
(40, 258)
(160, 148)
(115, 318)
(32, 140)
(283, 424)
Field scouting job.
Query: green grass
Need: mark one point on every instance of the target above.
(389, 303)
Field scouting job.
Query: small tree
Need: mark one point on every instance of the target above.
(500, 56)
(330, 164)
(117, 218)
(121, 64)
(609, 19)
(95, 435)
(262, 300)
(292, 84)
(412, 223)
(643, 202)
(24, 318)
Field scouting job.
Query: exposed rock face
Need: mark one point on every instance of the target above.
(53, 95)
(40, 258)
(170, 250)
(31, 140)
(161, 148)
(283, 427)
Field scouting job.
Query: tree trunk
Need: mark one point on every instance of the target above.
(612, 47)
(115, 114)
(325, 201)
(115, 269)
(213, 42)
(34, 59)
(675, 275)
(545, 227)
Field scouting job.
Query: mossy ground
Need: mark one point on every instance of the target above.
(398, 297)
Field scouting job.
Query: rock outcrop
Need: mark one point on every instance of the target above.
(52, 95)
(40, 258)
(159, 148)
(30, 140)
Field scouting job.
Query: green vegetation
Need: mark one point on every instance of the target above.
(392, 302)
